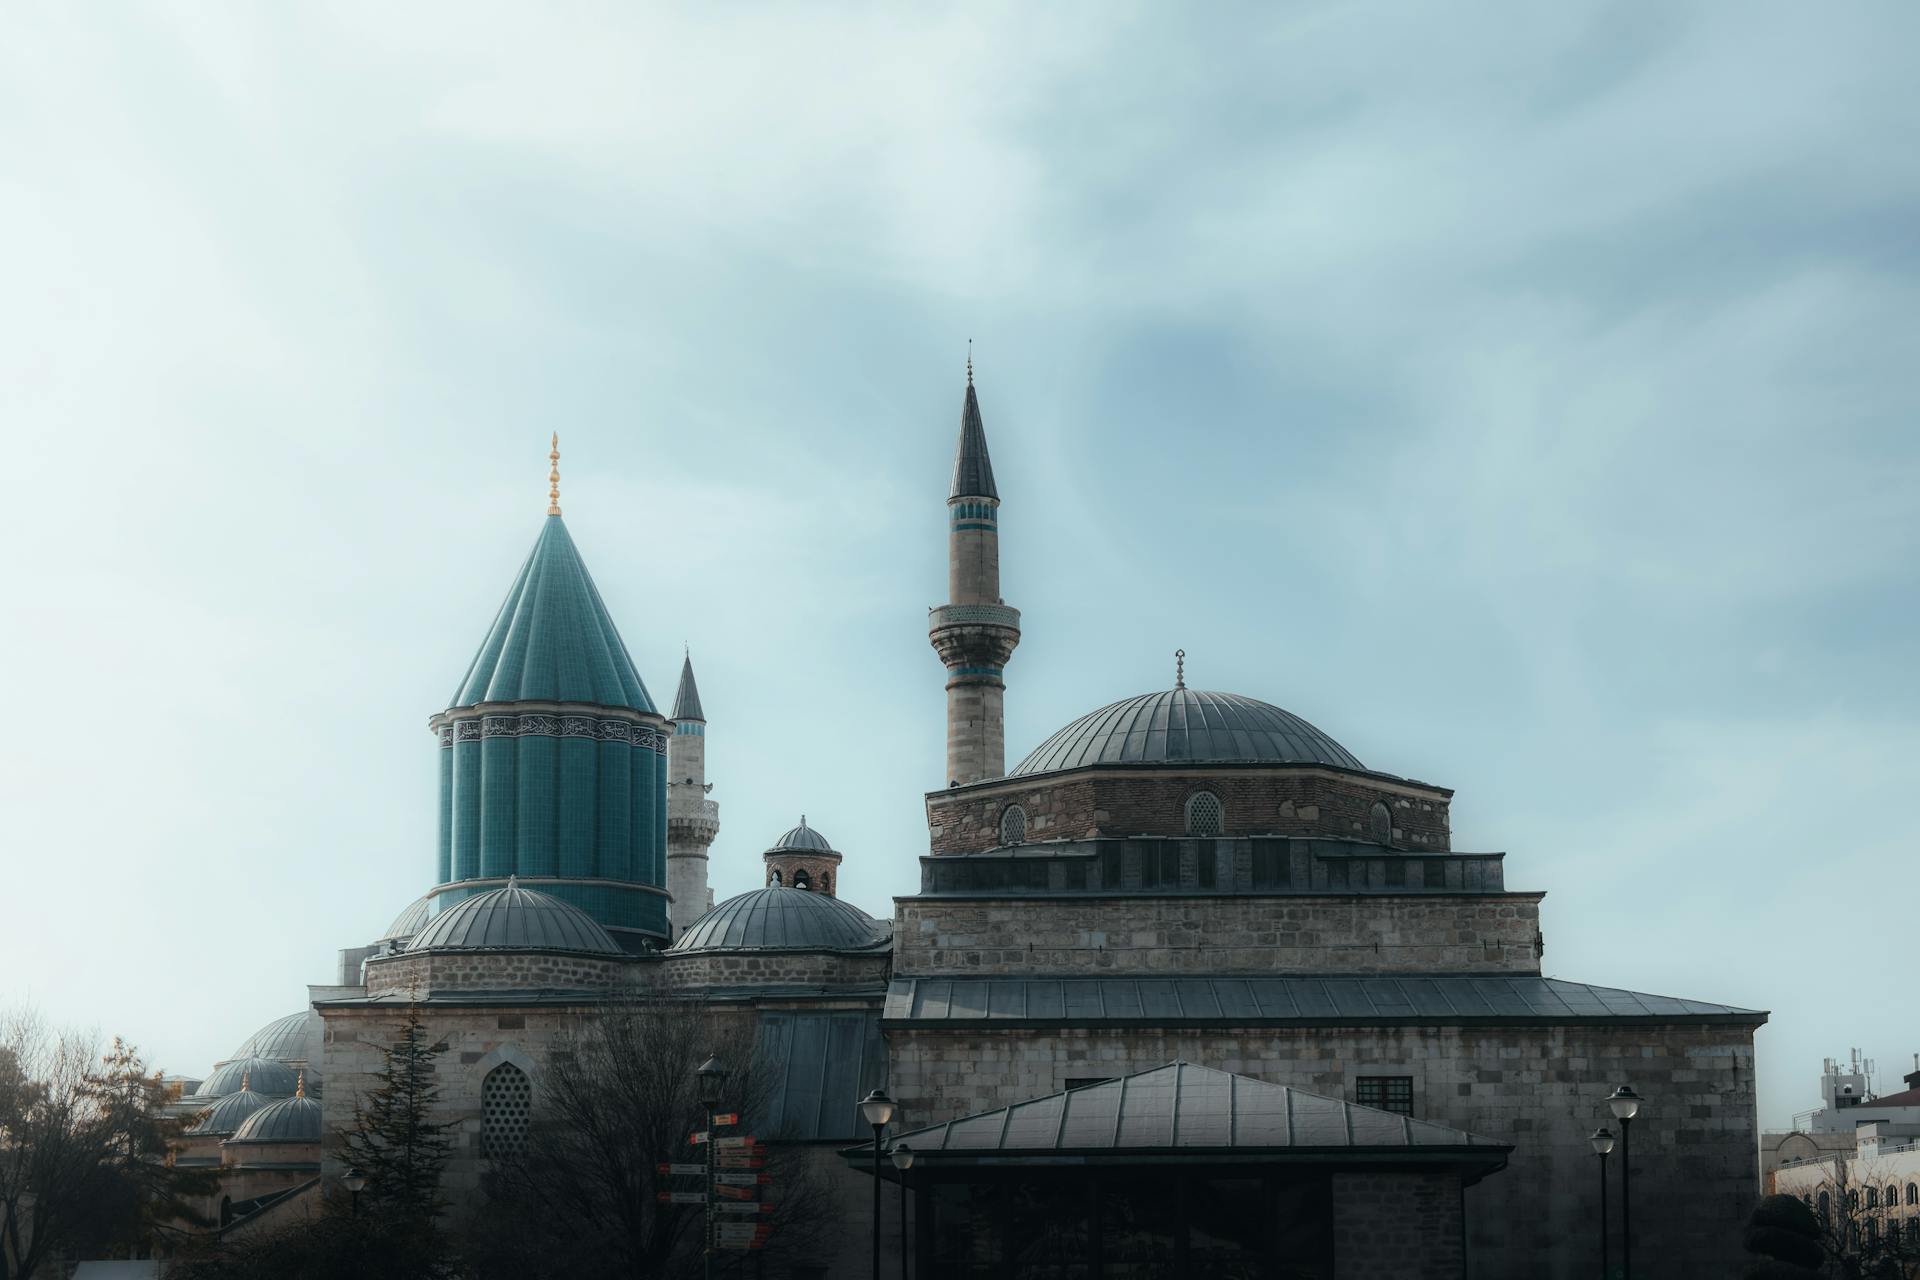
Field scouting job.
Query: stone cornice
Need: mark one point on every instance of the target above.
(550, 720)
(1196, 769)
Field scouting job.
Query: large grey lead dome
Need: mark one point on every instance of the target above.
(776, 919)
(1181, 725)
(514, 919)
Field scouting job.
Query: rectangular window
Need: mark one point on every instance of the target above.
(1272, 865)
(1385, 1093)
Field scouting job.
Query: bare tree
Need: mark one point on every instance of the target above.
(1857, 1203)
(580, 1198)
(55, 1150)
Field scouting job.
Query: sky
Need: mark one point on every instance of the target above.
(1524, 395)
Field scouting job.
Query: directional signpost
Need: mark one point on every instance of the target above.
(737, 1217)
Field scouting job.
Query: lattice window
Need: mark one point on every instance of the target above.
(1380, 824)
(1013, 825)
(1203, 814)
(1387, 1093)
(506, 1101)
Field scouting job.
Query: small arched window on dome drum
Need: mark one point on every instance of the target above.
(826, 884)
(1380, 823)
(1204, 816)
(775, 882)
(1013, 825)
(506, 1103)
(802, 881)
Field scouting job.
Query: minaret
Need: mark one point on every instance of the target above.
(974, 632)
(692, 819)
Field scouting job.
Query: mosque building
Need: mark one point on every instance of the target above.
(1189, 990)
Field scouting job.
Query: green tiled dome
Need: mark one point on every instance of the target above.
(553, 640)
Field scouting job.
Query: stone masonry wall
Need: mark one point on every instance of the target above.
(1396, 1226)
(489, 971)
(1497, 933)
(1274, 800)
(720, 969)
(1541, 1088)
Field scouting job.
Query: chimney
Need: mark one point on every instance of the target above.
(1913, 1077)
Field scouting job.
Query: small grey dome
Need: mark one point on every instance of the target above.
(410, 921)
(515, 919)
(777, 919)
(262, 1075)
(288, 1120)
(283, 1040)
(1186, 726)
(230, 1112)
(802, 838)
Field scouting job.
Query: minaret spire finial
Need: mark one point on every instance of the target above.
(969, 361)
(553, 477)
(1179, 668)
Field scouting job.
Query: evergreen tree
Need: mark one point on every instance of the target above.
(395, 1142)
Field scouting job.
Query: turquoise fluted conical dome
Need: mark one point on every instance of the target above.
(553, 640)
(553, 762)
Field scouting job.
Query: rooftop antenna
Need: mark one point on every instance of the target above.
(553, 477)
(1179, 668)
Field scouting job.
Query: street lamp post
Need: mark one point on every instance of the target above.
(903, 1161)
(1602, 1141)
(1625, 1105)
(877, 1109)
(713, 1078)
(355, 1182)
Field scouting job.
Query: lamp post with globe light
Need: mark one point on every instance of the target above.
(877, 1110)
(355, 1182)
(713, 1079)
(1625, 1105)
(903, 1161)
(1602, 1141)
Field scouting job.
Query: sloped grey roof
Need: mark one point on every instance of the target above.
(686, 702)
(972, 468)
(514, 919)
(824, 1063)
(782, 919)
(802, 838)
(288, 1120)
(1186, 726)
(283, 1039)
(1184, 1105)
(262, 1075)
(1293, 998)
(230, 1112)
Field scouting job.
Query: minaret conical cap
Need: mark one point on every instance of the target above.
(972, 468)
(686, 702)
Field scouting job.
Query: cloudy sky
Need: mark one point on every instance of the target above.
(1524, 395)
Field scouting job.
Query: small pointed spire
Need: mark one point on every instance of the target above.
(972, 468)
(803, 822)
(686, 700)
(1179, 668)
(513, 881)
(300, 1085)
(246, 1082)
(553, 477)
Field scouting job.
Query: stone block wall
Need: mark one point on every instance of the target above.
(1496, 933)
(741, 968)
(1255, 800)
(405, 974)
(1540, 1088)
(1397, 1226)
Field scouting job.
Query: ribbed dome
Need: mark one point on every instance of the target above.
(553, 640)
(288, 1120)
(514, 919)
(779, 919)
(1186, 726)
(228, 1114)
(803, 838)
(283, 1040)
(262, 1075)
(410, 921)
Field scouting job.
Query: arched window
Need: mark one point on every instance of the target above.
(801, 880)
(826, 883)
(1203, 814)
(1013, 825)
(506, 1098)
(776, 878)
(1380, 824)
(1893, 1195)
(1913, 1193)
(1825, 1205)
(1873, 1197)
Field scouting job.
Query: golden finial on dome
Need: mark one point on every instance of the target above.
(300, 1085)
(553, 478)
